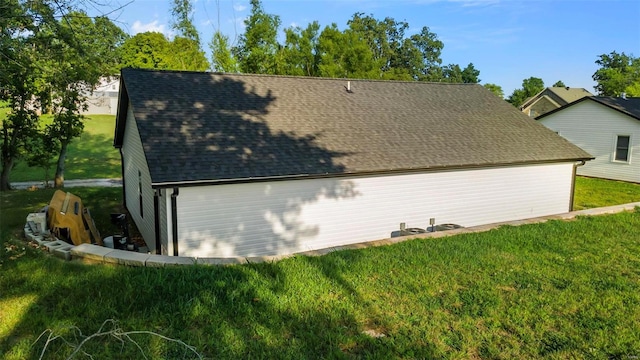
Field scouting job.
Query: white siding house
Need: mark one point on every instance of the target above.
(607, 128)
(250, 165)
(104, 97)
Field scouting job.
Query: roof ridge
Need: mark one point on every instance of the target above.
(322, 78)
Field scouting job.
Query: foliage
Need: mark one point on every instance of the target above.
(496, 89)
(530, 87)
(186, 50)
(301, 51)
(147, 50)
(257, 50)
(221, 58)
(559, 83)
(556, 290)
(618, 73)
(41, 150)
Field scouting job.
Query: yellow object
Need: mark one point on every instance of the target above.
(69, 221)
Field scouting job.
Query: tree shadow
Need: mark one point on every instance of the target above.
(206, 127)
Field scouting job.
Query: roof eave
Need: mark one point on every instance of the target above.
(172, 184)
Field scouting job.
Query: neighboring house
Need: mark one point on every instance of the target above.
(606, 127)
(552, 98)
(104, 99)
(221, 165)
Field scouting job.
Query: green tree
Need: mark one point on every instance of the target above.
(186, 50)
(257, 50)
(221, 57)
(559, 83)
(78, 63)
(345, 55)
(148, 50)
(300, 54)
(23, 27)
(617, 74)
(496, 89)
(530, 87)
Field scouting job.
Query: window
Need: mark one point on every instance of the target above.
(140, 193)
(622, 148)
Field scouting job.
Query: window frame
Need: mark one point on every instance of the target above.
(616, 148)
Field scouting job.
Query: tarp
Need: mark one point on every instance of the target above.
(70, 221)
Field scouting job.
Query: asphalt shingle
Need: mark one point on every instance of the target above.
(207, 126)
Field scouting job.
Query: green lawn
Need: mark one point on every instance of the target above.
(592, 193)
(91, 156)
(558, 290)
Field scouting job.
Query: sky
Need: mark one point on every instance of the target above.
(507, 40)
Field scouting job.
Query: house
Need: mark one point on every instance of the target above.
(606, 127)
(221, 165)
(552, 98)
(104, 98)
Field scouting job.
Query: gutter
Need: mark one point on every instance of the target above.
(173, 184)
(174, 217)
(124, 193)
(573, 182)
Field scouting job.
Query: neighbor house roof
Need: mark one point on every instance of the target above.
(558, 95)
(219, 127)
(629, 106)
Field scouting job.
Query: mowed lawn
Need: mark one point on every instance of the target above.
(92, 156)
(557, 290)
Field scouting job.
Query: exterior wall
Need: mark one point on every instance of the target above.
(291, 216)
(542, 106)
(134, 161)
(594, 128)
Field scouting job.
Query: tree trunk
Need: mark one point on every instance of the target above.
(4, 176)
(58, 180)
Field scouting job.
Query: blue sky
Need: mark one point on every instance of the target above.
(507, 40)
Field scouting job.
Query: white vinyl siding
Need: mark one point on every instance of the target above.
(595, 128)
(134, 161)
(283, 217)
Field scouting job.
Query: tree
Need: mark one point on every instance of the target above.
(496, 89)
(470, 74)
(258, 47)
(22, 47)
(148, 50)
(186, 50)
(41, 150)
(221, 57)
(530, 87)
(617, 74)
(345, 55)
(300, 53)
(559, 83)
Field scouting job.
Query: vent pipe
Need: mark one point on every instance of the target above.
(348, 86)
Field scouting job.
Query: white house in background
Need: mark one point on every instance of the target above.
(606, 127)
(221, 165)
(104, 99)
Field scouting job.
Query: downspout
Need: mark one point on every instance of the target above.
(174, 217)
(573, 182)
(124, 193)
(156, 217)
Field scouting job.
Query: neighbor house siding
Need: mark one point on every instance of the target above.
(594, 128)
(269, 218)
(134, 163)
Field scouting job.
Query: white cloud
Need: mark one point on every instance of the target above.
(139, 27)
(239, 7)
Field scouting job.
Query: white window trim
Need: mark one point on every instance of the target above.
(615, 149)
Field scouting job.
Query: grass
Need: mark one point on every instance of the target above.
(592, 193)
(92, 156)
(558, 290)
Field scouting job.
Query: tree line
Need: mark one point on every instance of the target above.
(53, 54)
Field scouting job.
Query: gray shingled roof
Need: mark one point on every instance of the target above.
(206, 126)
